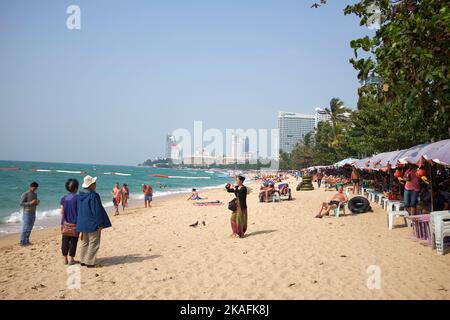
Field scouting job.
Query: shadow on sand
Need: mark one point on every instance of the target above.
(129, 258)
(251, 234)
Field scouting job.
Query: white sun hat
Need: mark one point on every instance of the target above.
(88, 180)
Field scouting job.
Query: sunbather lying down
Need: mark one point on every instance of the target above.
(337, 200)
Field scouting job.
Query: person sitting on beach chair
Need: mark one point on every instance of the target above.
(283, 189)
(268, 189)
(339, 199)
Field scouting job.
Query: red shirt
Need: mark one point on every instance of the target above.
(413, 183)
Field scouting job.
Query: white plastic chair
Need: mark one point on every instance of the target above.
(440, 228)
(393, 205)
(392, 214)
(337, 211)
(379, 197)
(366, 191)
(371, 196)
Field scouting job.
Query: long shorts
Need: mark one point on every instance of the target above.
(410, 198)
(148, 198)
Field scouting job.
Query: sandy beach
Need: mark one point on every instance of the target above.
(287, 254)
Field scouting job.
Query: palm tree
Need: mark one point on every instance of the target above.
(339, 119)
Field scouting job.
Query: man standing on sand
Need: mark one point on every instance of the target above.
(92, 218)
(319, 178)
(148, 194)
(28, 202)
(117, 196)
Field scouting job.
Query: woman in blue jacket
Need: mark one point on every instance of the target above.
(92, 218)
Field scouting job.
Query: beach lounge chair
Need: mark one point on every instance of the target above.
(287, 196)
(440, 228)
(275, 197)
(392, 214)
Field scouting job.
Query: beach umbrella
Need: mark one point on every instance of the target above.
(438, 152)
(348, 161)
(361, 164)
(411, 155)
(383, 159)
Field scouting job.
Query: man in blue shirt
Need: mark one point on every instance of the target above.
(92, 218)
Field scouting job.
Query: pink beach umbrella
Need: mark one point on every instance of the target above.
(438, 152)
(411, 155)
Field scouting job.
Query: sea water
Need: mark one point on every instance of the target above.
(52, 177)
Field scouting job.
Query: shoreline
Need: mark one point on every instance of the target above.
(53, 221)
(52, 227)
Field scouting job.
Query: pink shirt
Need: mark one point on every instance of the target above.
(413, 184)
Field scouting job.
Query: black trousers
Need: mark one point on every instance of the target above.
(69, 246)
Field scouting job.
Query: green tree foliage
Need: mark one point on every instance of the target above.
(409, 101)
(328, 145)
(410, 54)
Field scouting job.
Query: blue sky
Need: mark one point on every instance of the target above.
(110, 92)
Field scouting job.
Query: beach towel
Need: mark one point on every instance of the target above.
(209, 203)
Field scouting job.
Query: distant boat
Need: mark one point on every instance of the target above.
(58, 171)
(9, 169)
(117, 174)
(159, 175)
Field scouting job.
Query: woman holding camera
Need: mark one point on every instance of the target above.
(239, 207)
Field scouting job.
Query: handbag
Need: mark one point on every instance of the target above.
(232, 205)
(69, 229)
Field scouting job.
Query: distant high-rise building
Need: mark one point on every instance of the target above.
(321, 115)
(236, 147)
(293, 127)
(170, 144)
(247, 145)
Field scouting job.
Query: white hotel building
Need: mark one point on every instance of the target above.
(293, 127)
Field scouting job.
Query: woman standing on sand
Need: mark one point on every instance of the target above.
(239, 215)
(125, 196)
(69, 215)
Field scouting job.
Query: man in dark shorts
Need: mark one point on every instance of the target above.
(338, 200)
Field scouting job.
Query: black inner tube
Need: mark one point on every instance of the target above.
(359, 205)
